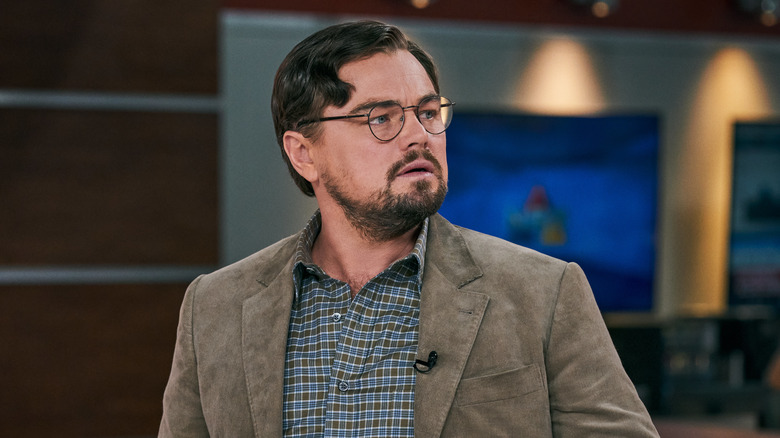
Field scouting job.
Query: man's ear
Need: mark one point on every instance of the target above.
(299, 150)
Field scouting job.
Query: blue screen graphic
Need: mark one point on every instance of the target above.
(582, 189)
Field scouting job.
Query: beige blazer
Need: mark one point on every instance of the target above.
(523, 350)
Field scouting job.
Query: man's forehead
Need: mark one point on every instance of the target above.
(383, 76)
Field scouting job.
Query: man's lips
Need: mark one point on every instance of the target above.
(418, 166)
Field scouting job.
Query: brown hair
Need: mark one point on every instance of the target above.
(307, 80)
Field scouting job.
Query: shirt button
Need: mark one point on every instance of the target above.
(343, 386)
(336, 317)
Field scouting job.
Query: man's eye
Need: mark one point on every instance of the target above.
(378, 120)
(428, 114)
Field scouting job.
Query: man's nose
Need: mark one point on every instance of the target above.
(413, 132)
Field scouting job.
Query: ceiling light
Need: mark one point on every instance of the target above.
(599, 8)
(766, 11)
(421, 4)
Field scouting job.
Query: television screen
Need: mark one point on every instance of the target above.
(582, 189)
(754, 256)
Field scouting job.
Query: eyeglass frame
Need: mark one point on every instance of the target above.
(367, 115)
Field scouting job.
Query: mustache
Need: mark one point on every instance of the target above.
(411, 156)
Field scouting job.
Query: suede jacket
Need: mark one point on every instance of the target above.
(523, 349)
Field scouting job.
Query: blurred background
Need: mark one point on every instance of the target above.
(639, 138)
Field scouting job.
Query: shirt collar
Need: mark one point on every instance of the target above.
(303, 262)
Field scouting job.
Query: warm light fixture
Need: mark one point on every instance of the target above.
(767, 11)
(599, 8)
(560, 78)
(421, 4)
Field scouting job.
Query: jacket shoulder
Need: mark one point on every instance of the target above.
(241, 279)
(493, 253)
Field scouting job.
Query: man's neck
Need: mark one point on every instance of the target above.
(346, 254)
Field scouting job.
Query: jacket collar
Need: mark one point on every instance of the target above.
(448, 250)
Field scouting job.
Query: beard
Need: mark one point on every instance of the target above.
(385, 215)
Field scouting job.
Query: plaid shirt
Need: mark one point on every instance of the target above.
(349, 365)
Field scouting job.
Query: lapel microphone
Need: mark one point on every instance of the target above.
(426, 367)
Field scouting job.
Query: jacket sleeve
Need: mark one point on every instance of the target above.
(590, 393)
(182, 411)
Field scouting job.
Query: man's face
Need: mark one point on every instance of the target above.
(385, 188)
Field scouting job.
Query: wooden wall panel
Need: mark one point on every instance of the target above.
(85, 361)
(98, 188)
(130, 45)
(86, 187)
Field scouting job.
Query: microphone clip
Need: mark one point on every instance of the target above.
(425, 367)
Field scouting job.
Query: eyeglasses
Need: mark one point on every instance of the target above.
(386, 119)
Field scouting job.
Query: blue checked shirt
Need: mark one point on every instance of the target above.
(349, 365)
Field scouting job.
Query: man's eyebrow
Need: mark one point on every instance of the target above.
(430, 96)
(367, 105)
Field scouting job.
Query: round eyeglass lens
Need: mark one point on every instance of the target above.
(386, 121)
(435, 114)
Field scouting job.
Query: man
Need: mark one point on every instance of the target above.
(381, 318)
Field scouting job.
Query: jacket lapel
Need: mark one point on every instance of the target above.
(449, 322)
(264, 325)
